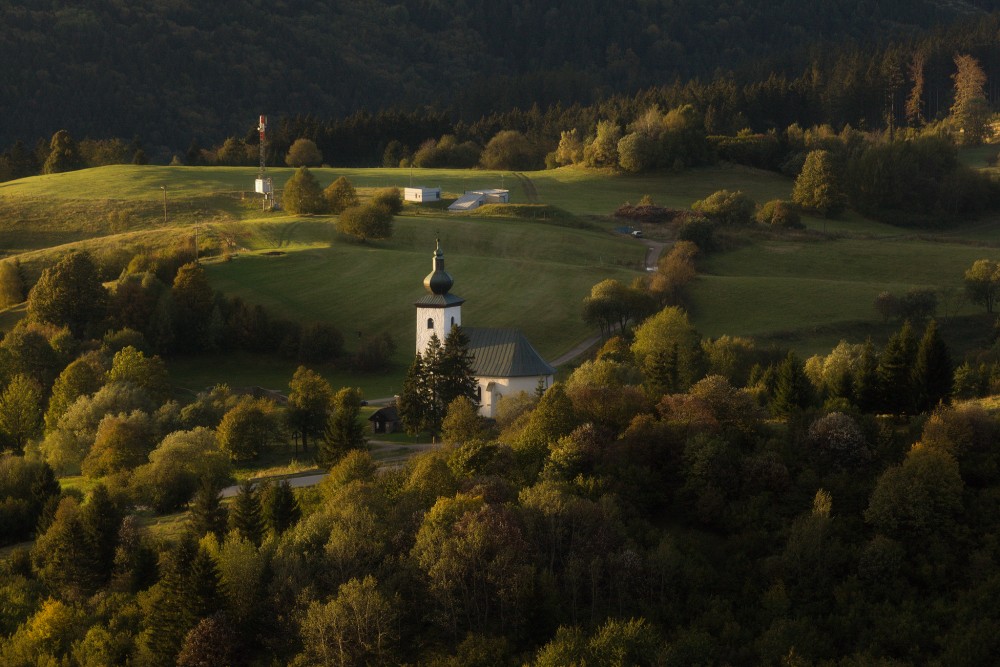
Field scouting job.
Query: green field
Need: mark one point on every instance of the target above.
(804, 289)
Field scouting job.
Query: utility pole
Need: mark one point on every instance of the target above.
(164, 188)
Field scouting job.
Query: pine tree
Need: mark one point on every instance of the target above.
(204, 585)
(246, 517)
(454, 376)
(865, 380)
(102, 523)
(413, 404)
(436, 378)
(281, 509)
(344, 430)
(206, 513)
(661, 373)
(933, 374)
(895, 372)
(792, 389)
(63, 557)
(170, 607)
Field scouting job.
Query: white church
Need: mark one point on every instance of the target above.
(504, 362)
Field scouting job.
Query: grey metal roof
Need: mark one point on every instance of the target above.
(504, 353)
(438, 300)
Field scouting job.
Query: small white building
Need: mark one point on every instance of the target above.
(504, 362)
(473, 199)
(422, 194)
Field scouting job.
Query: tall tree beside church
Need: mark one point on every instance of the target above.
(970, 110)
(455, 375)
(437, 377)
(414, 399)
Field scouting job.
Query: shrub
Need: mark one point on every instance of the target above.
(391, 198)
(373, 221)
(698, 231)
(340, 195)
(779, 213)
(726, 208)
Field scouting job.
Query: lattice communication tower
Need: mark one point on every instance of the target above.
(264, 185)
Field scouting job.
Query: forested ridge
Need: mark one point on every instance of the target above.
(170, 71)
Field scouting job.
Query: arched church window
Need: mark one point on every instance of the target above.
(430, 322)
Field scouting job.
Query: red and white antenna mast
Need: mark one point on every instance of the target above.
(264, 184)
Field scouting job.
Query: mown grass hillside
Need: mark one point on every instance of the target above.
(528, 265)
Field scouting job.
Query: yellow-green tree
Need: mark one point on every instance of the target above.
(970, 110)
(302, 193)
(819, 186)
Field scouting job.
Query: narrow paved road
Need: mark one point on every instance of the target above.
(387, 454)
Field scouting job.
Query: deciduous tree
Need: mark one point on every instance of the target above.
(371, 221)
(819, 186)
(309, 404)
(69, 294)
(303, 153)
(247, 428)
(982, 283)
(340, 195)
(970, 110)
(64, 154)
(302, 193)
(20, 412)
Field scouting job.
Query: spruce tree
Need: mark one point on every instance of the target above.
(865, 380)
(661, 373)
(344, 430)
(204, 585)
(102, 523)
(170, 608)
(895, 372)
(413, 399)
(455, 374)
(246, 517)
(206, 513)
(281, 509)
(933, 374)
(792, 389)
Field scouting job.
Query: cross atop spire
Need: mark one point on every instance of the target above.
(438, 281)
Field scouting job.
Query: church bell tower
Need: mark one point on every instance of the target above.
(438, 311)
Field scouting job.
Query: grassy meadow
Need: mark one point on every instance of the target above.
(803, 289)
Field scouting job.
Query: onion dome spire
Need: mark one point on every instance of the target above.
(438, 281)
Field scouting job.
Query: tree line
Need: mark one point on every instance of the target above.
(121, 65)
